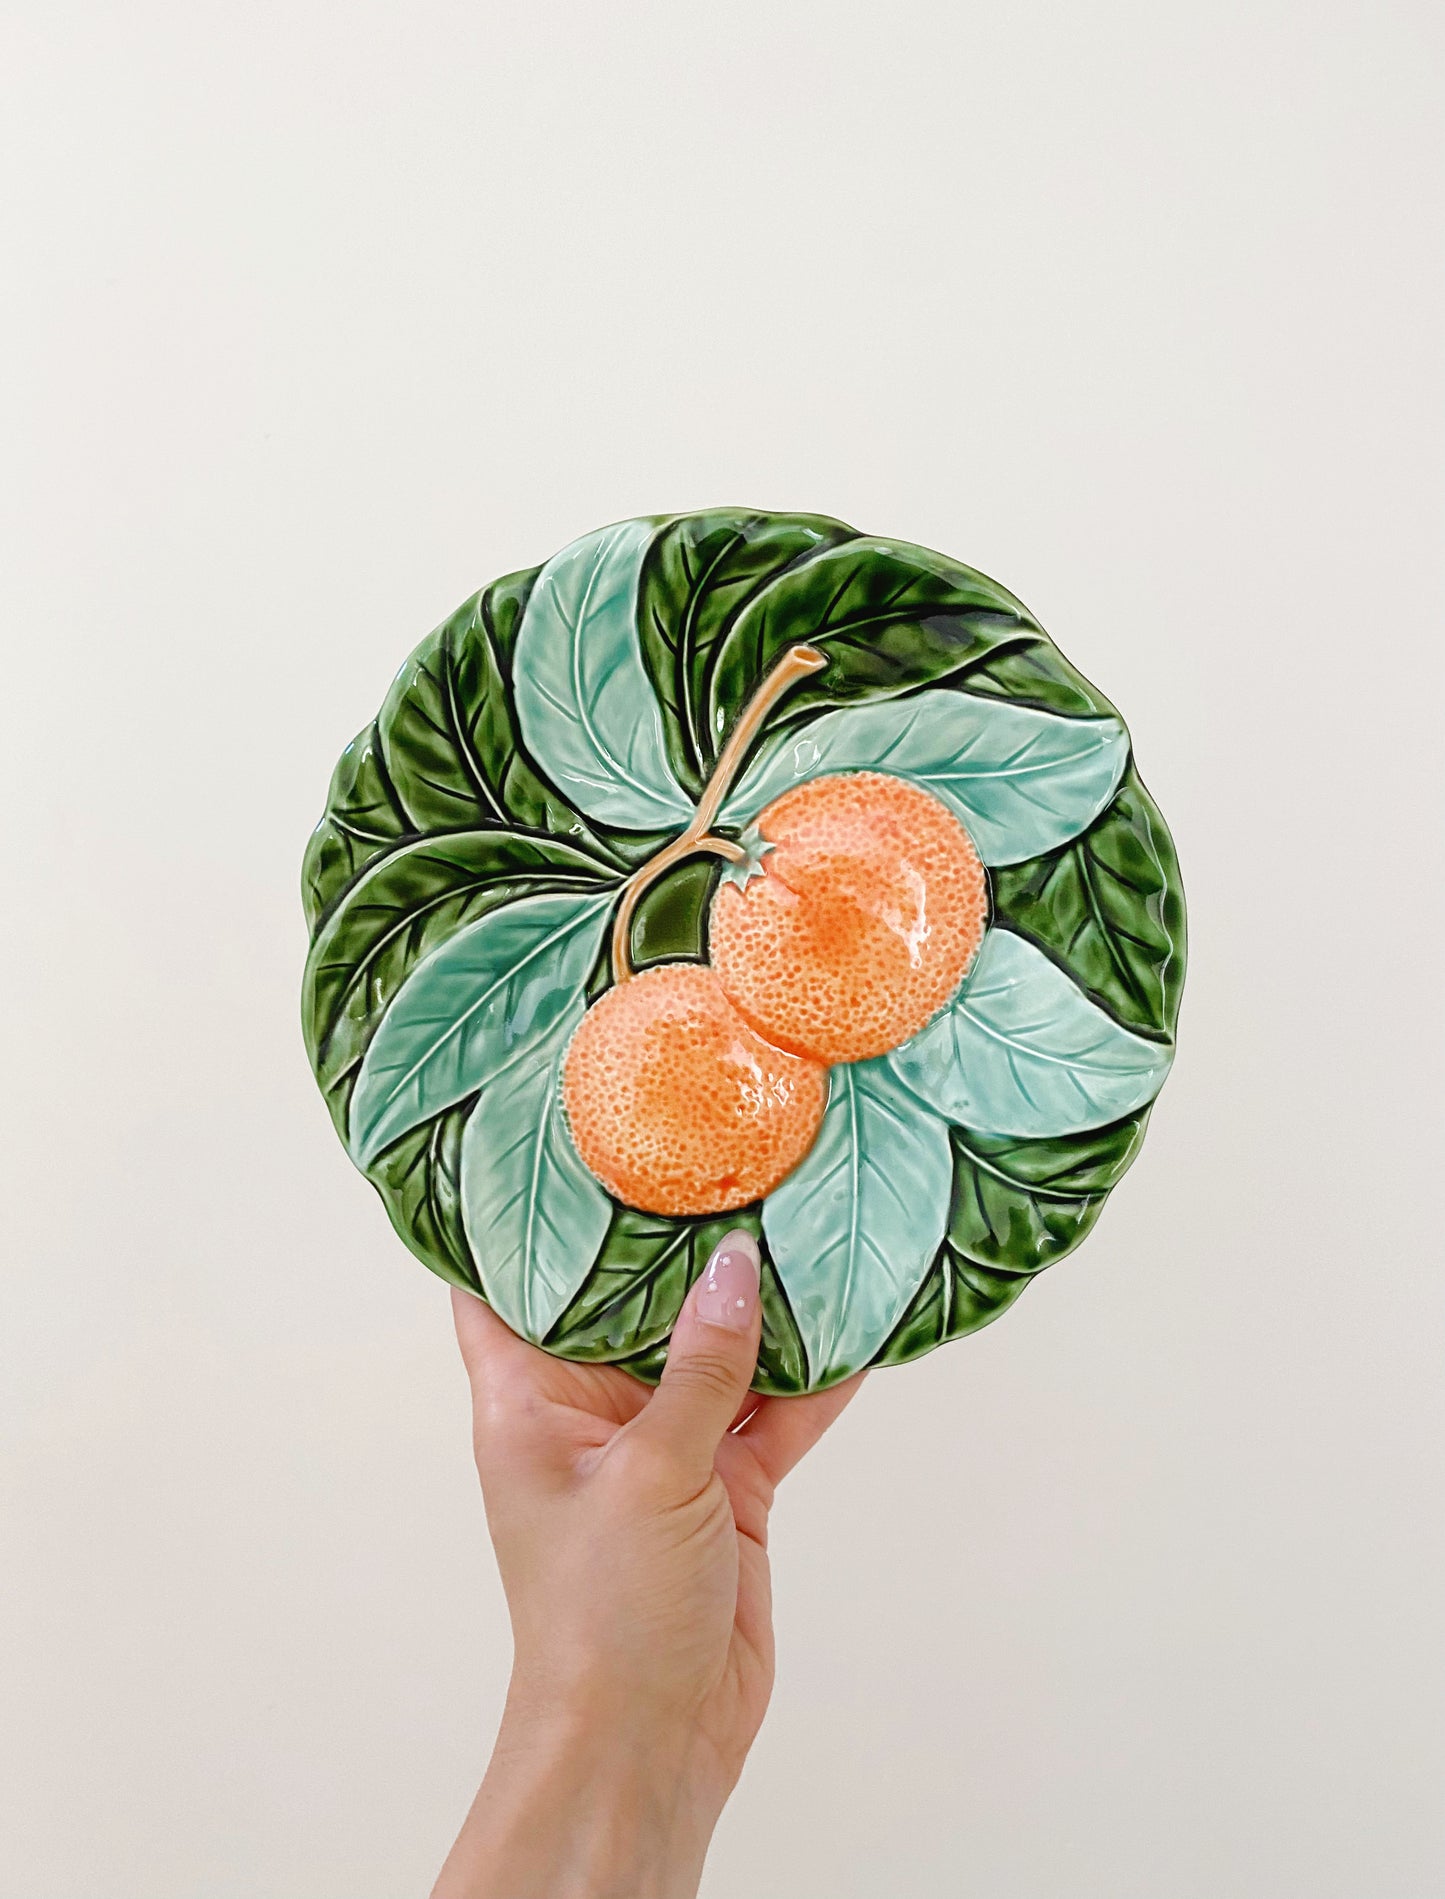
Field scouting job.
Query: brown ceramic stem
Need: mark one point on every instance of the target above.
(794, 665)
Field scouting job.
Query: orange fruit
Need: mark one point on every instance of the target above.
(860, 923)
(676, 1105)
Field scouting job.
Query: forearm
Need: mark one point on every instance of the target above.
(573, 1809)
(630, 1532)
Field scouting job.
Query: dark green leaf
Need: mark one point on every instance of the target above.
(625, 1313)
(503, 604)
(890, 617)
(364, 817)
(699, 573)
(444, 754)
(671, 921)
(782, 1360)
(646, 1265)
(417, 1179)
(1109, 907)
(957, 1297)
(1019, 1205)
(1034, 672)
(451, 742)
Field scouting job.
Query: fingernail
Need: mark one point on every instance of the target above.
(729, 1288)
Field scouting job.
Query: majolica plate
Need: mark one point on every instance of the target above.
(742, 869)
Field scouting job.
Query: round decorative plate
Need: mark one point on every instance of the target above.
(877, 937)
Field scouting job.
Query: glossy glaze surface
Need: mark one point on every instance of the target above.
(518, 830)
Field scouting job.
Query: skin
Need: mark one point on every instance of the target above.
(630, 1529)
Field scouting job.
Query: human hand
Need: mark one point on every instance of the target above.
(631, 1534)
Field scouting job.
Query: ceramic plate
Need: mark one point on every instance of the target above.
(535, 759)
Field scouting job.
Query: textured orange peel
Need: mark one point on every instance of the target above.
(676, 1105)
(860, 923)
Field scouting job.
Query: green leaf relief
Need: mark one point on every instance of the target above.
(1020, 1205)
(534, 1216)
(443, 754)
(634, 1295)
(853, 1228)
(401, 908)
(588, 713)
(958, 1297)
(699, 572)
(450, 738)
(1021, 781)
(1110, 908)
(625, 1312)
(889, 616)
(466, 1007)
(364, 817)
(418, 1179)
(1021, 1050)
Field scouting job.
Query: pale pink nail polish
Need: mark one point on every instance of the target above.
(728, 1290)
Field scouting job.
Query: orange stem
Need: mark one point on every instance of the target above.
(794, 665)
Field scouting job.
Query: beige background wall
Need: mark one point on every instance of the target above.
(318, 316)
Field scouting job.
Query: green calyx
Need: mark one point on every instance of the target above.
(742, 870)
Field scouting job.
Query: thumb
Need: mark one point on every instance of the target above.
(710, 1360)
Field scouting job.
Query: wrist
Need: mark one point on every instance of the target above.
(580, 1803)
(620, 1713)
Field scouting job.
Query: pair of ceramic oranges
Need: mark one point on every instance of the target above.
(695, 1088)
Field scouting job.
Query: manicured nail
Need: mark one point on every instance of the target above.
(729, 1289)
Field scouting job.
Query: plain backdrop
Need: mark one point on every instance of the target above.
(317, 317)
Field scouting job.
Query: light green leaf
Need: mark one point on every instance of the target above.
(535, 1218)
(1021, 781)
(1022, 1050)
(588, 714)
(401, 907)
(465, 1006)
(853, 1229)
